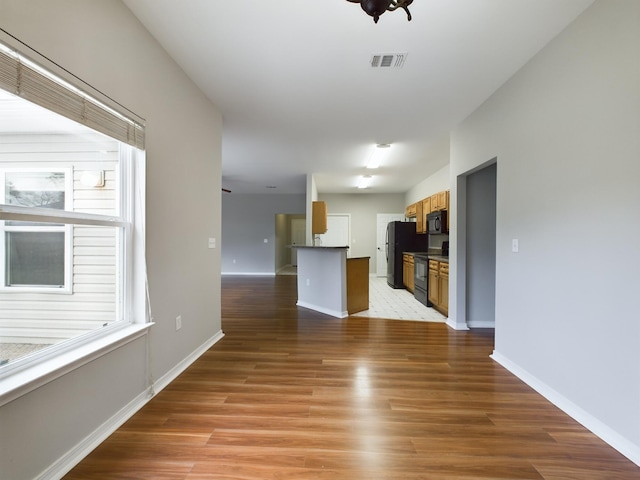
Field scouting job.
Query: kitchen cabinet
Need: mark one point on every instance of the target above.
(440, 201)
(421, 224)
(318, 218)
(438, 294)
(415, 210)
(410, 211)
(426, 209)
(434, 203)
(357, 284)
(408, 272)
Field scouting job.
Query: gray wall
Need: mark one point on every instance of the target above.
(481, 247)
(363, 208)
(101, 42)
(247, 220)
(564, 131)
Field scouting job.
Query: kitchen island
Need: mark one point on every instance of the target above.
(331, 283)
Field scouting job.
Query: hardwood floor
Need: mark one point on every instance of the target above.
(293, 394)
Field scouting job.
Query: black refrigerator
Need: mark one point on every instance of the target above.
(401, 237)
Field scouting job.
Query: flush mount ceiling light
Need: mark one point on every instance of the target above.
(365, 181)
(375, 8)
(378, 153)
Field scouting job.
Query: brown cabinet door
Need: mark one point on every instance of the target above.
(420, 223)
(426, 207)
(443, 293)
(318, 218)
(407, 273)
(433, 294)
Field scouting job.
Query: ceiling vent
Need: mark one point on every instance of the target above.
(388, 60)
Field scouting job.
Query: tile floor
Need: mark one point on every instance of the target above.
(396, 304)
(387, 302)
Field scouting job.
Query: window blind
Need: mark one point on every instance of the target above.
(24, 78)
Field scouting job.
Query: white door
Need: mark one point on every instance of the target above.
(383, 220)
(338, 231)
(298, 237)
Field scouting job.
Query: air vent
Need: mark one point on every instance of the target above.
(388, 60)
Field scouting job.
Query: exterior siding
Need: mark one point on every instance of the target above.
(46, 318)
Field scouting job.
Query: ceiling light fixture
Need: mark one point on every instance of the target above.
(378, 153)
(375, 8)
(365, 181)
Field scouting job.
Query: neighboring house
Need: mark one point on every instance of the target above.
(59, 281)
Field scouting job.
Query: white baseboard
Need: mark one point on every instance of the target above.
(456, 326)
(172, 374)
(74, 456)
(326, 311)
(249, 274)
(606, 433)
(482, 324)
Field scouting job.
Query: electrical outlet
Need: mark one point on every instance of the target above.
(178, 322)
(212, 242)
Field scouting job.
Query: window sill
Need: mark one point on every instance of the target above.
(27, 380)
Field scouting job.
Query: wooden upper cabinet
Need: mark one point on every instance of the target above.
(318, 218)
(410, 211)
(419, 210)
(426, 206)
(440, 201)
(421, 225)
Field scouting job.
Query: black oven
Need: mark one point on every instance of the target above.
(421, 278)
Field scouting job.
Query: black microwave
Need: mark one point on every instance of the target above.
(437, 222)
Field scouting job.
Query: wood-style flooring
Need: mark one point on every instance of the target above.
(293, 394)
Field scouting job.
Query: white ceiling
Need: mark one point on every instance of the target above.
(293, 80)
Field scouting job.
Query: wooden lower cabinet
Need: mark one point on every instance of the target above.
(408, 265)
(357, 284)
(438, 293)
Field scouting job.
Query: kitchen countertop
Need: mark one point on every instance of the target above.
(319, 247)
(437, 255)
(439, 258)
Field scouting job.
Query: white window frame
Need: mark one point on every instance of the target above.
(133, 317)
(67, 288)
(63, 95)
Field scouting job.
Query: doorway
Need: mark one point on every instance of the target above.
(298, 237)
(479, 258)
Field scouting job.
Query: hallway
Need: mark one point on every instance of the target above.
(293, 394)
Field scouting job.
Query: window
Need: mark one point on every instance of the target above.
(71, 223)
(36, 254)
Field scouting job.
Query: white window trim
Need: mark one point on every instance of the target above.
(43, 367)
(41, 372)
(136, 320)
(67, 288)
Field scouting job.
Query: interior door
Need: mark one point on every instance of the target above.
(338, 231)
(298, 237)
(383, 220)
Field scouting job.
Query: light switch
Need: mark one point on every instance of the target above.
(514, 245)
(266, 240)
(212, 242)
